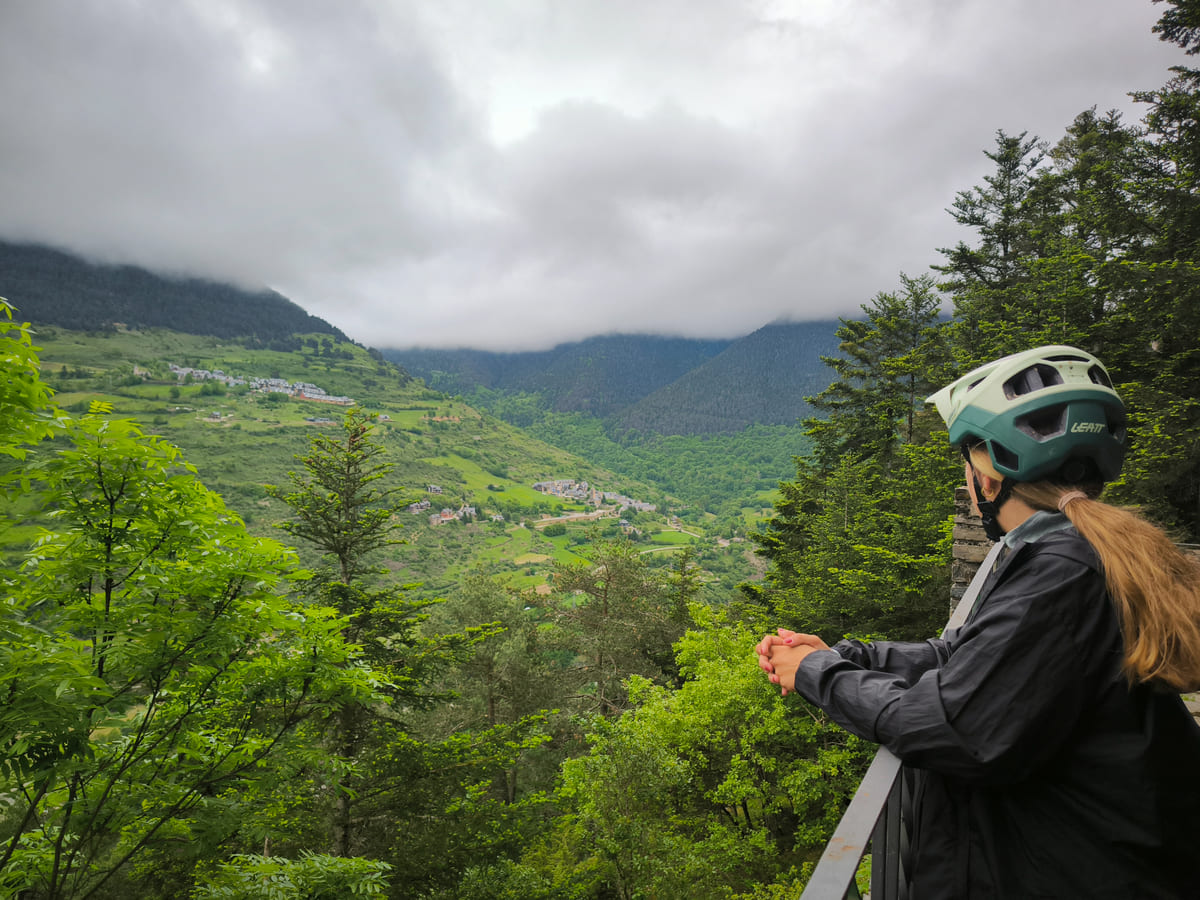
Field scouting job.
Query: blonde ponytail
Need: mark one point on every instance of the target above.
(1154, 586)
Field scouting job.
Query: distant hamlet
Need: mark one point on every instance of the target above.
(301, 390)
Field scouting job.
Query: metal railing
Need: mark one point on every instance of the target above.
(876, 821)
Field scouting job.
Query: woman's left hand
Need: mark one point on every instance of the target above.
(780, 655)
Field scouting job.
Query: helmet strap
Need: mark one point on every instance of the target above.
(989, 510)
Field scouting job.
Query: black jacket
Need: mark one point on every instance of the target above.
(1039, 772)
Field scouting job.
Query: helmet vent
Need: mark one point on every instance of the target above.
(1004, 457)
(1099, 376)
(1044, 424)
(1032, 379)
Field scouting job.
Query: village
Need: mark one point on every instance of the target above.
(582, 492)
(301, 390)
(565, 488)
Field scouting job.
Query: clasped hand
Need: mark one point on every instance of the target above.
(780, 655)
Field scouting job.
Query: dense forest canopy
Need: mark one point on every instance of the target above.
(189, 713)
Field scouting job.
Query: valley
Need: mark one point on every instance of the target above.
(246, 427)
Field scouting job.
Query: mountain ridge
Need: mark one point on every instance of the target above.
(632, 382)
(599, 375)
(649, 383)
(761, 379)
(49, 286)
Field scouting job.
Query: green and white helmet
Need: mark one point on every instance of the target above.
(1047, 413)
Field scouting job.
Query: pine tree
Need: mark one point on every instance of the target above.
(891, 361)
(985, 280)
(338, 501)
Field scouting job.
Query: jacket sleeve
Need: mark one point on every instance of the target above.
(1008, 695)
(908, 661)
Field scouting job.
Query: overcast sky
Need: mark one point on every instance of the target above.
(511, 174)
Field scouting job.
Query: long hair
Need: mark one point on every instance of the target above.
(1154, 586)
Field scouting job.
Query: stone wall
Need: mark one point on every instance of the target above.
(970, 546)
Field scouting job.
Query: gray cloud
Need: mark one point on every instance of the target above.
(511, 175)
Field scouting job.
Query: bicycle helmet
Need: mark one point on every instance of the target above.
(1047, 413)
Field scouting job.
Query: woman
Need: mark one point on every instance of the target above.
(1053, 755)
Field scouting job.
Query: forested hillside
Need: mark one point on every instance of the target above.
(599, 376)
(653, 385)
(718, 436)
(764, 378)
(51, 287)
(190, 713)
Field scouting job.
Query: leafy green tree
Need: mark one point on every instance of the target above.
(860, 552)
(616, 619)
(149, 667)
(704, 790)
(27, 413)
(311, 877)
(437, 807)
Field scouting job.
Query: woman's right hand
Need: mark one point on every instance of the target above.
(780, 654)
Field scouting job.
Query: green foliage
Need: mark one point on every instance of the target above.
(617, 619)
(981, 277)
(860, 541)
(439, 807)
(892, 359)
(25, 412)
(147, 663)
(1163, 470)
(504, 677)
(863, 551)
(311, 877)
(1091, 243)
(338, 502)
(699, 791)
(448, 799)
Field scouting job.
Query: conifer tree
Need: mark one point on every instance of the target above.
(340, 504)
(890, 361)
(343, 507)
(985, 279)
(617, 619)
